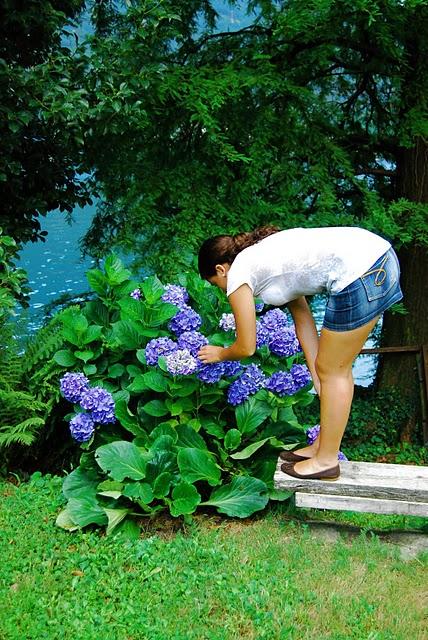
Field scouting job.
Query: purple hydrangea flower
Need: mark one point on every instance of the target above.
(312, 434)
(175, 294)
(73, 385)
(231, 368)
(159, 347)
(259, 307)
(211, 373)
(185, 320)
(100, 403)
(262, 334)
(301, 376)
(274, 319)
(136, 294)
(284, 342)
(281, 383)
(249, 382)
(227, 322)
(181, 362)
(82, 427)
(192, 340)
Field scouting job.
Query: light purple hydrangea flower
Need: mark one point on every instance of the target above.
(227, 322)
(231, 368)
(281, 383)
(159, 347)
(82, 427)
(284, 342)
(73, 385)
(192, 340)
(301, 375)
(181, 362)
(259, 307)
(262, 334)
(211, 373)
(185, 320)
(248, 383)
(312, 434)
(100, 403)
(274, 319)
(175, 294)
(136, 294)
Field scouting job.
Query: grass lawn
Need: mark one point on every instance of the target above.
(262, 578)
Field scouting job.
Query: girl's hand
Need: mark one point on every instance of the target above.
(209, 353)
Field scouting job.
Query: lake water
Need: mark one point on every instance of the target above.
(55, 267)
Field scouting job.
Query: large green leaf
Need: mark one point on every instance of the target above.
(115, 517)
(242, 497)
(80, 483)
(185, 499)
(196, 464)
(127, 419)
(116, 272)
(162, 484)
(65, 358)
(187, 437)
(97, 312)
(97, 281)
(121, 460)
(86, 510)
(248, 451)
(160, 314)
(65, 521)
(138, 491)
(153, 289)
(250, 415)
(128, 333)
(155, 408)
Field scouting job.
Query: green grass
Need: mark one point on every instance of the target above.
(262, 578)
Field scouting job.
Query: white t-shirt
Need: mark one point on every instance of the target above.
(298, 262)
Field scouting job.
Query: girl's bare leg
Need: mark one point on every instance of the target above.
(336, 353)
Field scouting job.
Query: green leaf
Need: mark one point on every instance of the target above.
(65, 358)
(196, 464)
(164, 429)
(128, 333)
(84, 355)
(138, 385)
(122, 460)
(93, 333)
(280, 495)
(155, 408)
(248, 451)
(127, 419)
(80, 483)
(159, 315)
(187, 437)
(162, 484)
(89, 369)
(232, 439)
(139, 491)
(65, 521)
(162, 443)
(185, 499)
(242, 497)
(97, 281)
(110, 489)
(153, 289)
(212, 428)
(97, 312)
(250, 414)
(155, 381)
(86, 510)
(184, 387)
(115, 270)
(115, 516)
(116, 370)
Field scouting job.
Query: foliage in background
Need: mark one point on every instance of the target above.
(178, 440)
(305, 115)
(43, 106)
(13, 281)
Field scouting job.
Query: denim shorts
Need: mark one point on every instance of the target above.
(366, 297)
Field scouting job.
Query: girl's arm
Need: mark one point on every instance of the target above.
(307, 334)
(243, 308)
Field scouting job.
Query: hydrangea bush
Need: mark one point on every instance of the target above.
(158, 428)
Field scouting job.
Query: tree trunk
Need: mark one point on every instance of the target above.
(412, 329)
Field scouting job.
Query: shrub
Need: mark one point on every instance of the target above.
(182, 433)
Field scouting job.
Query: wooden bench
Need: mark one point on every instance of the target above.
(363, 486)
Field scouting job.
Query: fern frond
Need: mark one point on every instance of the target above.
(22, 433)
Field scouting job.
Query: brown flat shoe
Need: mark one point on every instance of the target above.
(290, 456)
(327, 474)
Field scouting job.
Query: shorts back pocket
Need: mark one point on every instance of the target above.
(381, 277)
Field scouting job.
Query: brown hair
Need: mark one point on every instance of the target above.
(223, 248)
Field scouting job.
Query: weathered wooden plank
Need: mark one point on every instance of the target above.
(365, 479)
(367, 505)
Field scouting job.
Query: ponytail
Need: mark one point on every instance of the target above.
(224, 248)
